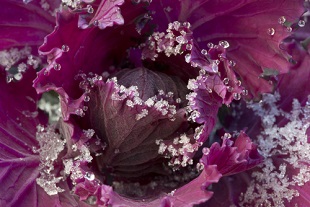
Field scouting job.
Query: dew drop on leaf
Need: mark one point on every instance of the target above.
(57, 66)
(271, 31)
(65, 48)
(301, 23)
(282, 20)
(224, 44)
(89, 176)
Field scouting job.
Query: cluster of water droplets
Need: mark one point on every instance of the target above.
(164, 103)
(180, 150)
(214, 63)
(108, 15)
(233, 84)
(288, 25)
(175, 41)
(206, 82)
(75, 4)
(87, 82)
(54, 64)
(76, 165)
(17, 61)
(79, 5)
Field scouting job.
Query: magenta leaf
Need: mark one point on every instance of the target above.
(233, 156)
(30, 19)
(19, 163)
(241, 24)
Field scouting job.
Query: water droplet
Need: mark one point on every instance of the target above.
(237, 96)
(96, 23)
(204, 52)
(203, 73)
(193, 64)
(215, 67)
(34, 149)
(189, 47)
(27, 1)
(224, 44)
(245, 92)
(180, 39)
(90, 9)
(222, 57)
(46, 72)
(187, 58)
(227, 136)
(18, 76)
(83, 85)
(79, 112)
(187, 24)
(229, 88)
(74, 147)
(168, 9)
(205, 151)
(176, 25)
(238, 82)
(289, 29)
(200, 166)
(85, 108)
(86, 98)
(9, 79)
(57, 66)
(226, 81)
(65, 48)
(89, 176)
(301, 23)
(232, 63)
(282, 20)
(271, 31)
(210, 45)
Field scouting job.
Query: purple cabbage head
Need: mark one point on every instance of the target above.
(152, 97)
